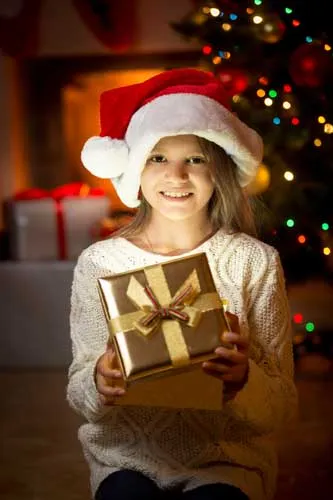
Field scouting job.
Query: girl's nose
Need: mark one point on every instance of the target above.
(177, 170)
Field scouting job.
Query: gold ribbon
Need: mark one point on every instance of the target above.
(192, 305)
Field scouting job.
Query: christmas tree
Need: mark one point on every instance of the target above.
(275, 59)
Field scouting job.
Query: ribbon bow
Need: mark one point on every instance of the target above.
(173, 311)
(177, 307)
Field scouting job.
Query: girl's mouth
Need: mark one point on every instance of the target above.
(174, 195)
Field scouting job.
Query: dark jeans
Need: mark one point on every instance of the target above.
(132, 485)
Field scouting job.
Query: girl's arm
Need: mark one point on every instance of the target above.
(89, 336)
(268, 398)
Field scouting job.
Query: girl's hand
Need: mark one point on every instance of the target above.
(232, 365)
(108, 377)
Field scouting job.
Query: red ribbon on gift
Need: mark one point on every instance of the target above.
(58, 194)
(172, 311)
(31, 194)
(76, 189)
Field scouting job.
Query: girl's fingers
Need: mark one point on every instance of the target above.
(218, 372)
(111, 359)
(107, 372)
(218, 368)
(234, 337)
(222, 372)
(110, 391)
(230, 356)
(107, 376)
(109, 400)
(233, 322)
(108, 366)
(237, 340)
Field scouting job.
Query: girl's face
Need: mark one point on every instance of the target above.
(177, 180)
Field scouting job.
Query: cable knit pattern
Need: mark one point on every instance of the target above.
(187, 448)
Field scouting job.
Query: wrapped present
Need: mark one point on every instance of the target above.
(164, 320)
(31, 221)
(54, 225)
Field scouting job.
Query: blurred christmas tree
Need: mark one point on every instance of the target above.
(275, 59)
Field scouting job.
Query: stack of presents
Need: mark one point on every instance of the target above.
(57, 224)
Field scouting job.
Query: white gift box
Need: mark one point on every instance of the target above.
(45, 229)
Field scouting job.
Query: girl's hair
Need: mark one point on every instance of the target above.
(229, 207)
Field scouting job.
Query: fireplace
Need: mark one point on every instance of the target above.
(61, 108)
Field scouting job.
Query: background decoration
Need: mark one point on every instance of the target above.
(56, 224)
(19, 27)
(235, 80)
(112, 23)
(310, 65)
(271, 29)
(261, 182)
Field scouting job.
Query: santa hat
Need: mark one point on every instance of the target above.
(176, 102)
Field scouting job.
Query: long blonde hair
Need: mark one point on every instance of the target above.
(229, 207)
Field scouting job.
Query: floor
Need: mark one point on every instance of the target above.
(40, 458)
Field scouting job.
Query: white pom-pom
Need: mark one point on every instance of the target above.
(105, 157)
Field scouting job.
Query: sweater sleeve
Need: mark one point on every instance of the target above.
(89, 336)
(269, 397)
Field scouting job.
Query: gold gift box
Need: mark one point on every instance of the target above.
(163, 319)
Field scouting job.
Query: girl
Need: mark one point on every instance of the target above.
(172, 147)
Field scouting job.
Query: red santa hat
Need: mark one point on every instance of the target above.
(176, 102)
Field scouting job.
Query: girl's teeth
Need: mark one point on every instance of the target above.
(175, 195)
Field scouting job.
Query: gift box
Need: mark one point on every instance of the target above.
(165, 320)
(53, 225)
(80, 216)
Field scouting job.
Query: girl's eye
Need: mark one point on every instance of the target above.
(157, 159)
(197, 160)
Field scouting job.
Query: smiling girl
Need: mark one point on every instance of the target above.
(173, 148)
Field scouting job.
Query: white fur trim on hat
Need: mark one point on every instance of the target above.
(105, 157)
(182, 114)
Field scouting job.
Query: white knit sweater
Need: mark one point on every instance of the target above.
(187, 448)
